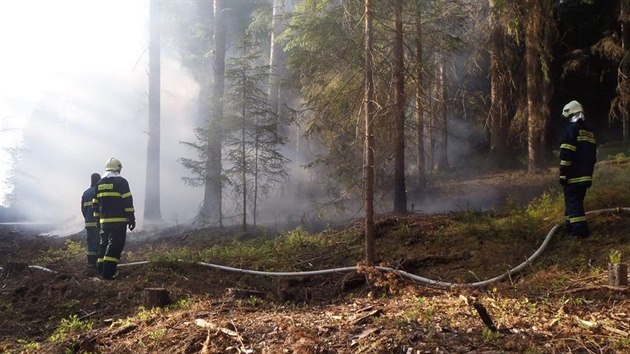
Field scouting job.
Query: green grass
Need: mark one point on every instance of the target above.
(69, 326)
(610, 187)
(613, 150)
(286, 252)
(72, 250)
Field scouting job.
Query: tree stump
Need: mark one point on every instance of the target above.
(12, 267)
(156, 297)
(618, 274)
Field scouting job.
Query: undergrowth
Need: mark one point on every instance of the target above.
(287, 252)
(301, 250)
(610, 187)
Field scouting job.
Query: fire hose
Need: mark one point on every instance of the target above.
(413, 277)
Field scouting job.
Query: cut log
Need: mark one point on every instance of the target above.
(244, 293)
(618, 274)
(156, 297)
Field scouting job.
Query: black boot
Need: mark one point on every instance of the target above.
(91, 260)
(99, 268)
(109, 269)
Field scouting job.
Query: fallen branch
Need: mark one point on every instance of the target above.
(485, 316)
(204, 349)
(89, 314)
(621, 289)
(365, 317)
(616, 331)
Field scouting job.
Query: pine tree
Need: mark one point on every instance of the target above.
(253, 162)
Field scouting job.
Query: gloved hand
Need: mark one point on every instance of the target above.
(563, 180)
(132, 225)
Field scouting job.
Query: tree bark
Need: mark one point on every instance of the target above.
(212, 202)
(244, 160)
(623, 89)
(497, 115)
(276, 60)
(368, 164)
(442, 162)
(548, 33)
(618, 274)
(533, 38)
(152, 211)
(400, 190)
(430, 131)
(419, 109)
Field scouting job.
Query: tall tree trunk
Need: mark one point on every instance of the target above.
(212, 202)
(256, 151)
(548, 36)
(498, 114)
(533, 40)
(442, 162)
(243, 160)
(275, 59)
(430, 131)
(152, 212)
(623, 85)
(400, 190)
(368, 164)
(419, 109)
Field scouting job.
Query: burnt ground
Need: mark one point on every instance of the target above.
(563, 303)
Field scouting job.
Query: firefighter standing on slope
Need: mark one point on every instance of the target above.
(577, 161)
(114, 208)
(91, 223)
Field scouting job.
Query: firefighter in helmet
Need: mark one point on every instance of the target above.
(91, 223)
(114, 208)
(577, 161)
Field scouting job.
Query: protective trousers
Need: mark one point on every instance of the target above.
(574, 209)
(92, 244)
(111, 247)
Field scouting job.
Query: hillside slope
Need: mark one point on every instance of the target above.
(563, 303)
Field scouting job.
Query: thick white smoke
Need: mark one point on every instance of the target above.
(75, 83)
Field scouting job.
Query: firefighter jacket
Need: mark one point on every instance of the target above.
(87, 207)
(113, 202)
(577, 154)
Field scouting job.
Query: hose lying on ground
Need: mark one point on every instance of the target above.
(38, 268)
(413, 277)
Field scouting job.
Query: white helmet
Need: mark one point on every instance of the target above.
(113, 164)
(572, 108)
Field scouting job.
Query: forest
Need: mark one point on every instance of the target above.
(367, 177)
(449, 92)
(280, 105)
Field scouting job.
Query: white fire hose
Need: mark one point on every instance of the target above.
(413, 277)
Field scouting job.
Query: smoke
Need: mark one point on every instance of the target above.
(79, 96)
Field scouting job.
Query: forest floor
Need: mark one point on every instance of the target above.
(562, 303)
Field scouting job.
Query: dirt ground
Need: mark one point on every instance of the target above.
(553, 307)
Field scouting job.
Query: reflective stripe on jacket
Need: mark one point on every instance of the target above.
(87, 207)
(578, 152)
(114, 203)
